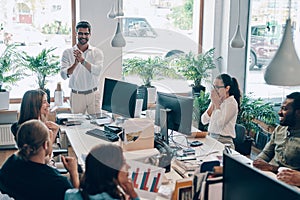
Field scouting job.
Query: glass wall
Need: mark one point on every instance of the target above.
(268, 18)
(159, 28)
(33, 26)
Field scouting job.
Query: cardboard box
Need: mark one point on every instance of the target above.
(139, 134)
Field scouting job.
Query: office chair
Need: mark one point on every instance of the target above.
(242, 142)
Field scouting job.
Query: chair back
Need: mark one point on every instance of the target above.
(240, 131)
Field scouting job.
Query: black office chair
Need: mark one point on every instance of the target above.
(242, 142)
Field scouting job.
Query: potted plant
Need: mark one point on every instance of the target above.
(11, 71)
(45, 64)
(196, 67)
(152, 68)
(259, 119)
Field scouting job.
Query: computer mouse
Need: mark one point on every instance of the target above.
(196, 143)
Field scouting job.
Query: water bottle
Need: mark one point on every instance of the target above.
(58, 95)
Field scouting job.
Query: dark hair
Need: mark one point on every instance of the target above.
(234, 87)
(102, 166)
(83, 24)
(30, 137)
(32, 102)
(296, 97)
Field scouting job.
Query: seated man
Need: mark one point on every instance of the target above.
(27, 174)
(283, 150)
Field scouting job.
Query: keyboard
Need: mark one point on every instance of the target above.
(104, 135)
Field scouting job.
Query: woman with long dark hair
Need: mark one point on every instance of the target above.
(105, 177)
(223, 109)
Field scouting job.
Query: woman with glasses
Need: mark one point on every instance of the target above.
(223, 109)
(105, 177)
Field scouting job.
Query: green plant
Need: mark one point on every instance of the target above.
(196, 66)
(43, 65)
(201, 103)
(11, 66)
(148, 69)
(256, 109)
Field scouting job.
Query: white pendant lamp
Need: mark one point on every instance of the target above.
(284, 69)
(118, 40)
(238, 41)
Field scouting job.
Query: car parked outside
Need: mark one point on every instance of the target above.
(23, 34)
(144, 38)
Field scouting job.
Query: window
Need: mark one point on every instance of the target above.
(159, 28)
(33, 26)
(267, 26)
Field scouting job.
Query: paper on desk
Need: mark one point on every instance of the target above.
(144, 176)
(70, 116)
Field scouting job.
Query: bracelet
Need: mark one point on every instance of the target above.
(83, 62)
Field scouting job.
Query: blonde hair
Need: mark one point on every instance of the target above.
(31, 136)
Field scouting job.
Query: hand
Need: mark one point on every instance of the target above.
(53, 127)
(127, 186)
(289, 176)
(263, 165)
(78, 55)
(215, 98)
(70, 163)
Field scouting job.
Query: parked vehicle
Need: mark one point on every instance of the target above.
(23, 34)
(265, 40)
(143, 38)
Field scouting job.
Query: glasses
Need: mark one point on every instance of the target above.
(81, 33)
(218, 87)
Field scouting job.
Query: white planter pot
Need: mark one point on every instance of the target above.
(4, 100)
(151, 95)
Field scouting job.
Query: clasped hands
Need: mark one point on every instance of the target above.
(216, 98)
(78, 56)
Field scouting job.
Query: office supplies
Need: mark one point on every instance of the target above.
(196, 143)
(104, 135)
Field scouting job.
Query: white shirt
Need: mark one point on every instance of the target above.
(222, 121)
(81, 79)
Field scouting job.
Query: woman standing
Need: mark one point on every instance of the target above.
(223, 109)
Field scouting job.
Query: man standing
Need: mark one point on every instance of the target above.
(82, 64)
(283, 150)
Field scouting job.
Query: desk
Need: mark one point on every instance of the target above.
(83, 143)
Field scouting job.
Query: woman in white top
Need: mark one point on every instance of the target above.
(223, 109)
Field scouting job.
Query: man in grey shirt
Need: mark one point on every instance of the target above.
(283, 150)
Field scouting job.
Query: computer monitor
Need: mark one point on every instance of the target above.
(242, 181)
(119, 97)
(173, 112)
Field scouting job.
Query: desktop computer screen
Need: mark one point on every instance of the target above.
(242, 181)
(119, 97)
(178, 116)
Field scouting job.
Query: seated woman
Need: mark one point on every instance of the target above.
(27, 174)
(35, 106)
(105, 177)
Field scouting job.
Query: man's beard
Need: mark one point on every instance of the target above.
(289, 120)
(82, 41)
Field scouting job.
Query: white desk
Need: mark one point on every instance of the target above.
(82, 143)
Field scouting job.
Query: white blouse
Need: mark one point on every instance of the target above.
(222, 121)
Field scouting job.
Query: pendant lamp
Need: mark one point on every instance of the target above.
(117, 12)
(284, 69)
(118, 40)
(238, 41)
